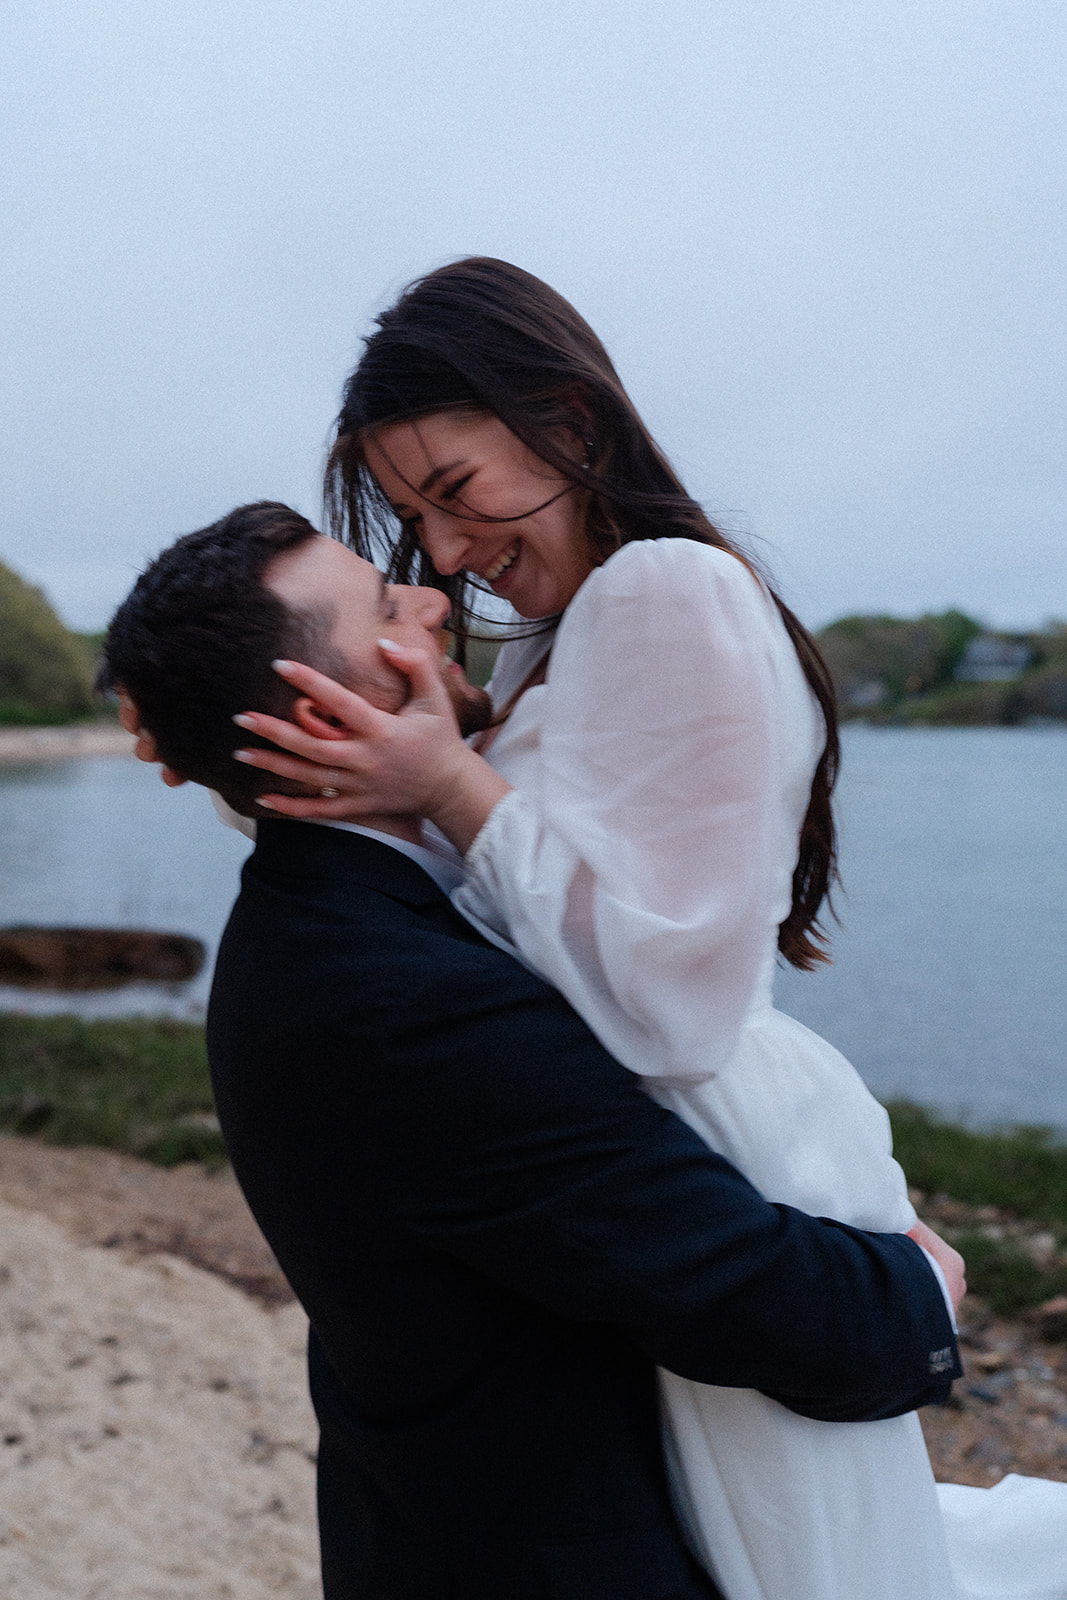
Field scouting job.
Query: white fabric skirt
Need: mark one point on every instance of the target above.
(780, 1507)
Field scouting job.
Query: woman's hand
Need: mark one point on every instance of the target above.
(364, 762)
(950, 1261)
(145, 748)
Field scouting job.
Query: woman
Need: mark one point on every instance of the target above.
(650, 825)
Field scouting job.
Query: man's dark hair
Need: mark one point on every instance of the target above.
(193, 643)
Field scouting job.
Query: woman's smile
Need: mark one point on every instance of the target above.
(506, 562)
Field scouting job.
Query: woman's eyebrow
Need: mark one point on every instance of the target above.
(423, 489)
(436, 473)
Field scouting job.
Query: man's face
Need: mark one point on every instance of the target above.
(324, 576)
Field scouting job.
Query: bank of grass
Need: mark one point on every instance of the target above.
(134, 1084)
(1019, 1175)
(1019, 1170)
(141, 1085)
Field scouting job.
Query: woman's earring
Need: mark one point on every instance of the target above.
(590, 446)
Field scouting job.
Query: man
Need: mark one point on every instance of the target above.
(494, 1231)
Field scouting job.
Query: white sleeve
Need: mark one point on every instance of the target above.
(644, 875)
(938, 1272)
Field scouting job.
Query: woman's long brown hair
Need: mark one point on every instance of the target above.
(485, 335)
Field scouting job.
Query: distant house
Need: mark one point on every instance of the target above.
(988, 659)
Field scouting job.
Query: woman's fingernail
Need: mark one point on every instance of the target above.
(242, 721)
(245, 755)
(268, 805)
(389, 644)
(282, 666)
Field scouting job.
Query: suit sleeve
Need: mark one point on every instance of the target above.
(512, 1141)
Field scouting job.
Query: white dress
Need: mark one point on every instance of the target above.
(642, 865)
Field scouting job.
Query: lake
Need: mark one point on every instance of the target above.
(102, 842)
(948, 981)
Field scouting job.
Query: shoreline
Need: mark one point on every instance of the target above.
(27, 745)
(175, 1339)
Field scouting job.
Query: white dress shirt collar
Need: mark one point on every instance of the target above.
(445, 870)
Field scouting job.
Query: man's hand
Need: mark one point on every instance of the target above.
(950, 1261)
(145, 748)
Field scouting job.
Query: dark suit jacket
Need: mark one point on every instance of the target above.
(495, 1234)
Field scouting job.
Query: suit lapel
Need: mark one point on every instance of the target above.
(301, 849)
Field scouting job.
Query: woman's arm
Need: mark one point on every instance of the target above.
(645, 866)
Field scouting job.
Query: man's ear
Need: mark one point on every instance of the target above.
(317, 721)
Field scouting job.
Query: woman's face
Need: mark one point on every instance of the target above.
(478, 499)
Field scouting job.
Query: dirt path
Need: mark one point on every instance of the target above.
(156, 1441)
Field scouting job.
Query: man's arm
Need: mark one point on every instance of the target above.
(514, 1142)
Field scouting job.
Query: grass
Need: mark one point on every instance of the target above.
(1020, 1172)
(134, 1084)
(1003, 1275)
(141, 1085)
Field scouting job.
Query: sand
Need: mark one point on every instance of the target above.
(156, 1440)
(59, 744)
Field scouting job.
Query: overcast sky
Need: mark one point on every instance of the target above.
(824, 240)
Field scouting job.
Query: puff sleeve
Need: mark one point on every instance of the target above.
(644, 862)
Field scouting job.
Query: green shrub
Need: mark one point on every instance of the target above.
(1043, 692)
(1004, 1276)
(45, 670)
(905, 657)
(966, 705)
(1021, 1171)
(893, 670)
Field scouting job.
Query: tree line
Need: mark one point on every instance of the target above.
(46, 671)
(885, 669)
(946, 669)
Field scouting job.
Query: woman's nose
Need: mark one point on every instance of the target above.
(444, 541)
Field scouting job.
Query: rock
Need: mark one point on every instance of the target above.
(982, 1392)
(1050, 1319)
(944, 1210)
(1042, 1248)
(96, 958)
(991, 1454)
(990, 1360)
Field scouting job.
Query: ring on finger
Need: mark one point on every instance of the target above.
(330, 791)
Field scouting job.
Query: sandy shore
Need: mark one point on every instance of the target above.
(60, 744)
(156, 1440)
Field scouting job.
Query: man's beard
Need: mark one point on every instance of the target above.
(473, 707)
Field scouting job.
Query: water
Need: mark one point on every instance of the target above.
(103, 843)
(948, 980)
(948, 984)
